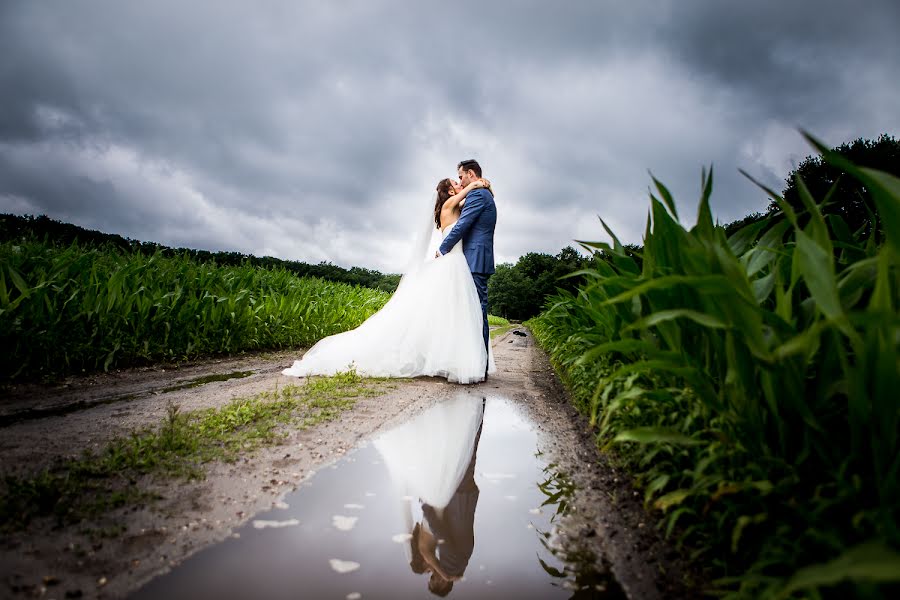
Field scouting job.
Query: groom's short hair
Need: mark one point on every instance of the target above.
(470, 165)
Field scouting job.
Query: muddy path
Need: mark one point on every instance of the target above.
(114, 555)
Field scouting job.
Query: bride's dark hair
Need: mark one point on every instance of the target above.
(417, 563)
(443, 192)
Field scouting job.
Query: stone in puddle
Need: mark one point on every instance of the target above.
(263, 524)
(343, 566)
(343, 523)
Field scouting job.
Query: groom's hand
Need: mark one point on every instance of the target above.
(437, 254)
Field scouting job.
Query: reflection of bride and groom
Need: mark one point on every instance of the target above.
(431, 460)
(435, 324)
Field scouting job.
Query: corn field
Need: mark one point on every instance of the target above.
(752, 384)
(71, 309)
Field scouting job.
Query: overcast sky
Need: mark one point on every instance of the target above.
(317, 130)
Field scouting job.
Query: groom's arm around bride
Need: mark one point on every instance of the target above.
(477, 201)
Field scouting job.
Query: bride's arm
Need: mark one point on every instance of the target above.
(454, 201)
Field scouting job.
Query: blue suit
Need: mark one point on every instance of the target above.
(476, 229)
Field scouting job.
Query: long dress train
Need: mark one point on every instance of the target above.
(432, 326)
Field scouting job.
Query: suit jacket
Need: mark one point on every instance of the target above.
(476, 229)
(455, 524)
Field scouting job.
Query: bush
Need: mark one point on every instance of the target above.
(519, 291)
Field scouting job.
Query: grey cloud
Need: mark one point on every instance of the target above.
(795, 58)
(318, 112)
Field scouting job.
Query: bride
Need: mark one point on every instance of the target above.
(431, 326)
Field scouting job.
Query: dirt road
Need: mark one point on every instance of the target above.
(40, 424)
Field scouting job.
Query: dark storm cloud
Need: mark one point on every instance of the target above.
(797, 59)
(305, 129)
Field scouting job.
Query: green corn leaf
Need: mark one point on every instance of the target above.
(760, 258)
(871, 243)
(882, 296)
(617, 245)
(713, 284)
(671, 499)
(626, 264)
(592, 247)
(856, 279)
(623, 346)
(705, 226)
(666, 196)
(763, 287)
(816, 265)
(649, 263)
(657, 484)
(772, 238)
(805, 343)
(872, 562)
(816, 227)
(841, 232)
(742, 239)
(742, 522)
(592, 273)
(784, 206)
(18, 281)
(681, 313)
(4, 294)
(655, 435)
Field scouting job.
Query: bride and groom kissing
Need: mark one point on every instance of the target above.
(435, 324)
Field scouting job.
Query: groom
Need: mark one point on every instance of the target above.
(476, 228)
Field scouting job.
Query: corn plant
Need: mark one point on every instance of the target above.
(752, 383)
(70, 309)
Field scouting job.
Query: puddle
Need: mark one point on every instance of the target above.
(456, 501)
(29, 414)
(192, 383)
(79, 405)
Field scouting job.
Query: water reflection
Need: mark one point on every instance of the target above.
(432, 461)
(457, 500)
(584, 574)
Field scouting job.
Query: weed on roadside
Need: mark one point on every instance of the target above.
(178, 447)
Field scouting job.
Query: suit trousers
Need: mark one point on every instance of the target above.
(481, 284)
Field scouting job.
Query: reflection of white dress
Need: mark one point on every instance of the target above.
(432, 325)
(428, 455)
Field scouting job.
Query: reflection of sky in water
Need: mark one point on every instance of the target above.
(348, 530)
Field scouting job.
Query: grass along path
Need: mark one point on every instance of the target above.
(177, 448)
(498, 326)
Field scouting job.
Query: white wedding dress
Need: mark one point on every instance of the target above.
(432, 326)
(428, 455)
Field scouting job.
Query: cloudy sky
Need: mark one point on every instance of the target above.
(318, 130)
